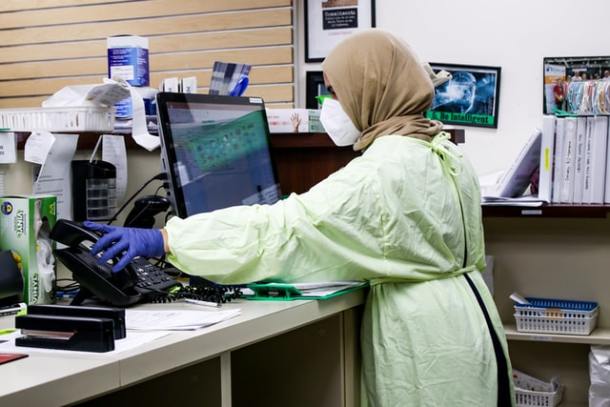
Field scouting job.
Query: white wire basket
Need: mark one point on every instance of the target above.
(533, 392)
(530, 398)
(556, 316)
(69, 119)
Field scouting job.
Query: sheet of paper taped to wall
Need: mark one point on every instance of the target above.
(2, 187)
(114, 152)
(54, 175)
(8, 148)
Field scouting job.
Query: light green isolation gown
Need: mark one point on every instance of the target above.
(392, 217)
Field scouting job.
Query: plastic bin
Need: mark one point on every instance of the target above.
(533, 392)
(531, 398)
(566, 317)
(86, 118)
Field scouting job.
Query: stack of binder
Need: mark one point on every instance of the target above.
(574, 164)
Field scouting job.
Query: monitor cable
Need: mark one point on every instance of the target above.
(160, 176)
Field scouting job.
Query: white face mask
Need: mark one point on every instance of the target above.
(337, 124)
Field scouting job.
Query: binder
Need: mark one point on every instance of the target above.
(599, 141)
(560, 126)
(582, 125)
(289, 292)
(568, 159)
(587, 187)
(517, 178)
(547, 145)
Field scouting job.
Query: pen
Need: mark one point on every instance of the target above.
(204, 303)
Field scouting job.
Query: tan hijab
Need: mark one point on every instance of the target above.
(381, 86)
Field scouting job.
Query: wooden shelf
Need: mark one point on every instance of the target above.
(599, 336)
(547, 211)
(277, 140)
(321, 140)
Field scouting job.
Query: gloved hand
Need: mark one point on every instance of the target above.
(132, 242)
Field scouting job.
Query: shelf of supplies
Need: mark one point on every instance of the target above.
(600, 336)
(276, 140)
(547, 211)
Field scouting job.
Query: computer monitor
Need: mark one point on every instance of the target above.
(215, 151)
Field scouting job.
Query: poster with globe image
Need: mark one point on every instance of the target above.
(469, 98)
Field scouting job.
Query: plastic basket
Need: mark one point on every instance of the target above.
(544, 315)
(530, 391)
(86, 118)
(530, 398)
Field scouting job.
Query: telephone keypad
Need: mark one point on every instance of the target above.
(150, 278)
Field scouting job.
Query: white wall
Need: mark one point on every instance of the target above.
(513, 34)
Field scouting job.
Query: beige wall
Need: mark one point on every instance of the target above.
(553, 258)
(556, 258)
(48, 44)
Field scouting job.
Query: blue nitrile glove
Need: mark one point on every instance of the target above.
(132, 242)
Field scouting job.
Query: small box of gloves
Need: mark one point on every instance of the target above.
(25, 224)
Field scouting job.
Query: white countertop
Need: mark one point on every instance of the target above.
(59, 379)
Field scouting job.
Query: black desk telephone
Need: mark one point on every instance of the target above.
(140, 281)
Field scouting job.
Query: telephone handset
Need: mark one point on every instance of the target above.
(139, 281)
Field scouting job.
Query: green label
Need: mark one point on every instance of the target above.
(465, 118)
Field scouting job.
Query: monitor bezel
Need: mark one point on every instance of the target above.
(168, 153)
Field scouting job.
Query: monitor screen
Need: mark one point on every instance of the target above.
(216, 152)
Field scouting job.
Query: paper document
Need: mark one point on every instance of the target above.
(300, 291)
(139, 129)
(327, 284)
(133, 340)
(176, 320)
(109, 93)
(54, 176)
(516, 180)
(530, 201)
(114, 152)
(322, 289)
(8, 148)
(106, 94)
(2, 187)
(37, 147)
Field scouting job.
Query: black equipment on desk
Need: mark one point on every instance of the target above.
(11, 280)
(117, 315)
(138, 282)
(93, 190)
(66, 333)
(144, 210)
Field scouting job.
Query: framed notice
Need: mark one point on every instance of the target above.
(327, 22)
(469, 98)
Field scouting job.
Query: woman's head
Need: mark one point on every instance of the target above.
(377, 79)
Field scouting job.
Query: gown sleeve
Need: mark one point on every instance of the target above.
(332, 232)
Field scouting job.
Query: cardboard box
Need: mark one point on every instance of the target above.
(25, 223)
(294, 121)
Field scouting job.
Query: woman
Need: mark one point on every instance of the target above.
(405, 216)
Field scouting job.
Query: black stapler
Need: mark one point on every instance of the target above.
(66, 333)
(117, 315)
